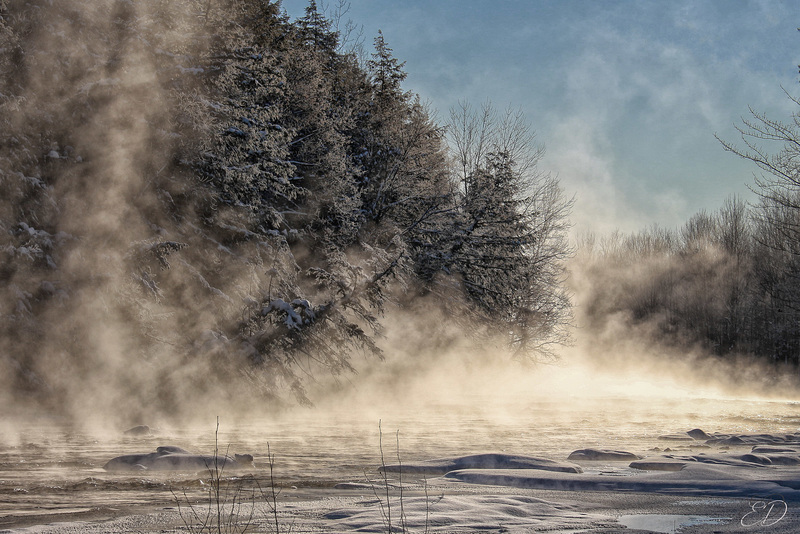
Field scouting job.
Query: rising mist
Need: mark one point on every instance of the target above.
(207, 207)
(87, 115)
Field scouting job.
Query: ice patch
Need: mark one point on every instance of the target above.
(669, 524)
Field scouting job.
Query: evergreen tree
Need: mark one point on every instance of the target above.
(218, 195)
(509, 242)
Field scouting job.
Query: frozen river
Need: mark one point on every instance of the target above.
(47, 468)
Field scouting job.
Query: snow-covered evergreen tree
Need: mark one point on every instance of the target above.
(197, 196)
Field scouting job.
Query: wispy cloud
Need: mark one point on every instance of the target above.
(651, 98)
(586, 169)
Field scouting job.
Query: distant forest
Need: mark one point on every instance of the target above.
(205, 199)
(728, 281)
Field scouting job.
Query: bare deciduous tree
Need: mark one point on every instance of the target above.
(510, 244)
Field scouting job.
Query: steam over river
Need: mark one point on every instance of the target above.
(49, 469)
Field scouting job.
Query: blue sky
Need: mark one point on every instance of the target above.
(626, 96)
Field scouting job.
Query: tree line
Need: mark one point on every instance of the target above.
(209, 193)
(727, 281)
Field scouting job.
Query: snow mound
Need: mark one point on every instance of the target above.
(170, 458)
(693, 479)
(720, 439)
(603, 455)
(467, 513)
(483, 461)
